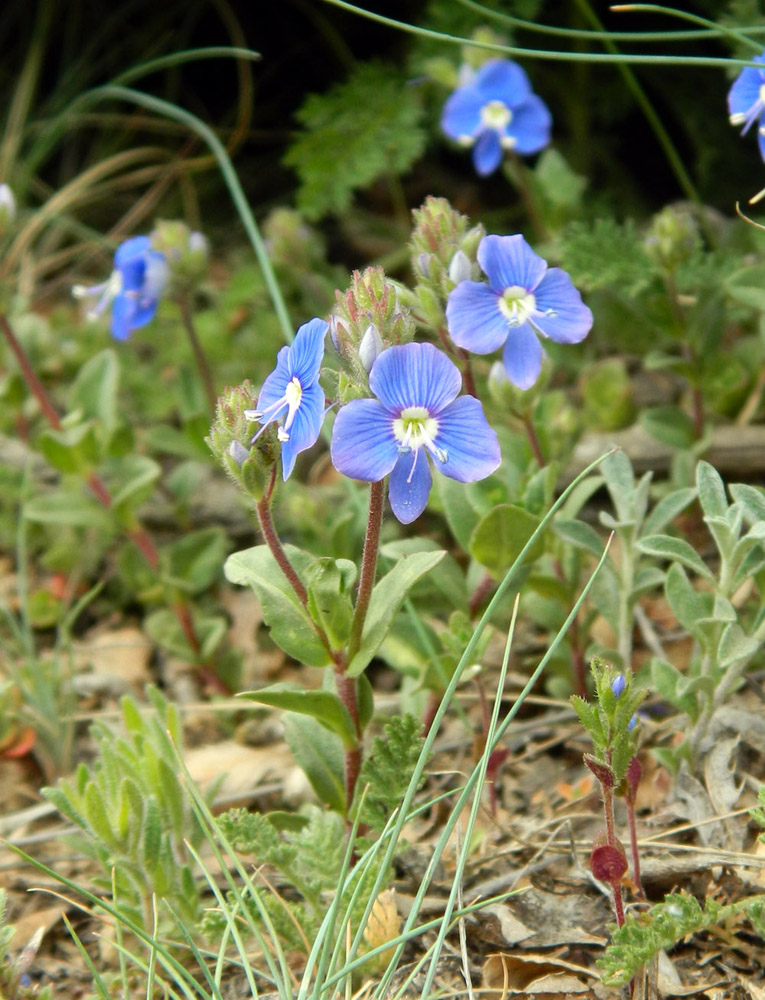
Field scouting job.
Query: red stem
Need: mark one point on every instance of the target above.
(618, 905)
(368, 566)
(277, 551)
(30, 375)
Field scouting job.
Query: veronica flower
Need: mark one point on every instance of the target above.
(133, 290)
(746, 99)
(618, 685)
(292, 395)
(496, 111)
(416, 419)
(523, 300)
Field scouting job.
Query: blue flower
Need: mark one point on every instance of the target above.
(292, 395)
(523, 299)
(618, 685)
(495, 111)
(136, 284)
(416, 410)
(746, 99)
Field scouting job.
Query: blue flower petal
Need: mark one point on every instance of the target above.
(123, 309)
(305, 427)
(410, 483)
(461, 116)
(761, 140)
(414, 375)
(275, 384)
(569, 319)
(502, 80)
(363, 445)
(508, 261)
(144, 311)
(487, 152)
(522, 356)
(531, 126)
(474, 320)
(744, 96)
(470, 443)
(307, 351)
(136, 246)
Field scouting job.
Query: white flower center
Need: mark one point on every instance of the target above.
(414, 428)
(517, 305)
(292, 396)
(496, 115)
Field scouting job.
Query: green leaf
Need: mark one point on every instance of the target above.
(330, 582)
(711, 491)
(164, 628)
(500, 535)
(131, 478)
(320, 755)
(63, 507)
(94, 392)
(667, 509)
(689, 606)
(620, 480)
(341, 149)
(752, 500)
(670, 425)
(735, 645)
(193, 562)
(676, 550)
(291, 626)
(461, 515)
(558, 183)
(387, 597)
(71, 449)
(324, 706)
(670, 685)
(747, 286)
(580, 534)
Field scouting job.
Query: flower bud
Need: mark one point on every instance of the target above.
(422, 264)
(618, 685)
(370, 346)
(234, 426)
(7, 208)
(187, 254)
(460, 268)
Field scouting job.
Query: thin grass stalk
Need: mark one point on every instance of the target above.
(89, 964)
(166, 958)
(18, 111)
(586, 34)
(280, 975)
(472, 779)
(230, 177)
(475, 806)
(231, 926)
(555, 55)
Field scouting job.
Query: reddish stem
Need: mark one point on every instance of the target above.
(346, 689)
(618, 904)
(479, 595)
(468, 381)
(368, 566)
(531, 436)
(273, 541)
(30, 376)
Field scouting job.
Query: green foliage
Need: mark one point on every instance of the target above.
(644, 935)
(135, 815)
(308, 855)
(387, 770)
(341, 150)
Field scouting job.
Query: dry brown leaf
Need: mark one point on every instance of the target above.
(240, 769)
(115, 659)
(534, 975)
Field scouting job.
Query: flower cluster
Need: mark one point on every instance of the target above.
(495, 111)
(133, 290)
(746, 100)
(524, 299)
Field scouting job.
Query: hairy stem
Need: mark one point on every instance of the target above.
(200, 357)
(630, 803)
(368, 566)
(273, 541)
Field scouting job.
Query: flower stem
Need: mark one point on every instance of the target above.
(368, 566)
(479, 595)
(531, 436)
(273, 541)
(630, 804)
(137, 533)
(199, 355)
(468, 380)
(30, 376)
